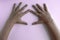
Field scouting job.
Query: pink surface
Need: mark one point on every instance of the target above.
(29, 32)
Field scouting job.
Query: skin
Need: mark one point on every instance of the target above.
(45, 18)
(13, 19)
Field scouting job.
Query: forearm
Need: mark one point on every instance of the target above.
(53, 32)
(5, 32)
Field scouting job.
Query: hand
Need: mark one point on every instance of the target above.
(14, 18)
(44, 17)
(42, 13)
(17, 13)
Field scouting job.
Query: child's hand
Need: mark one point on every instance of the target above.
(17, 13)
(42, 13)
(14, 18)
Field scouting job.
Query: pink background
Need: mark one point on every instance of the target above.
(29, 32)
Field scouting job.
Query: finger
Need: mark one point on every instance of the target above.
(38, 22)
(35, 8)
(39, 12)
(19, 15)
(22, 8)
(21, 22)
(39, 7)
(35, 23)
(14, 5)
(13, 10)
(23, 13)
(45, 8)
(18, 6)
(35, 13)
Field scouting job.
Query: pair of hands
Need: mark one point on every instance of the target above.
(41, 12)
(17, 12)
